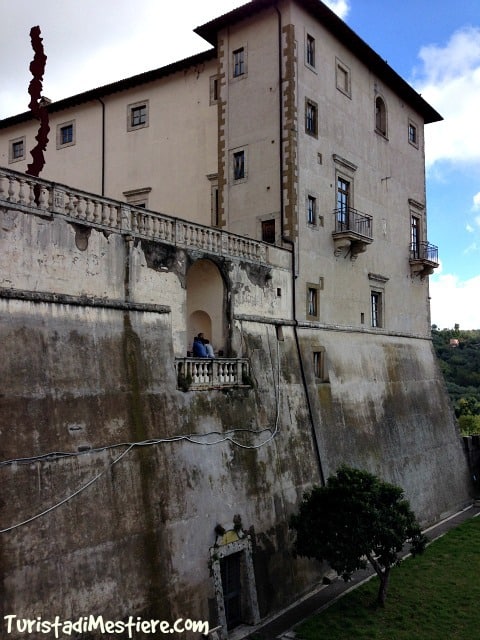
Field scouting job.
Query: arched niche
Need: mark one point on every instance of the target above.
(206, 304)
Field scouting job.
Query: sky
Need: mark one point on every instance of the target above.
(433, 44)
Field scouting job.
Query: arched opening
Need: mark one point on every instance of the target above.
(380, 116)
(206, 304)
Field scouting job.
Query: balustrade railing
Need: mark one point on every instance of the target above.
(35, 195)
(196, 373)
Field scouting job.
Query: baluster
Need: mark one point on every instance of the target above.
(155, 226)
(11, 189)
(42, 198)
(80, 209)
(105, 213)
(2, 186)
(69, 204)
(21, 192)
(149, 225)
(89, 209)
(97, 211)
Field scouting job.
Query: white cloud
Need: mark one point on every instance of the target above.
(476, 202)
(340, 7)
(449, 79)
(454, 301)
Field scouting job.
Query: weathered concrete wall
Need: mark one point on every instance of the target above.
(385, 408)
(89, 372)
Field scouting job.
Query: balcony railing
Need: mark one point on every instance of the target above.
(351, 220)
(41, 197)
(353, 231)
(424, 251)
(423, 258)
(211, 373)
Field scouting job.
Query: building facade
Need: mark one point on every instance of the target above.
(269, 193)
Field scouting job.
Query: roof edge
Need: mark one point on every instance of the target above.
(114, 87)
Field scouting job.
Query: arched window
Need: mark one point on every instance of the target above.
(380, 116)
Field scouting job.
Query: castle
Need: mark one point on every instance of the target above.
(269, 193)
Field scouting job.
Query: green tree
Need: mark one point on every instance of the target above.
(357, 517)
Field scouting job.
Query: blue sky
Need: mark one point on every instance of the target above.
(434, 45)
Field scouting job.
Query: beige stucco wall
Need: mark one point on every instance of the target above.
(178, 148)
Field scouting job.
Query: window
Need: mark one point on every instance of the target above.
(239, 62)
(376, 308)
(312, 301)
(215, 207)
(138, 197)
(343, 78)
(319, 364)
(343, 204)
(310, 51)
(311, 210)
(65, 134)
(412, 134)
(214, 89)
(16, 151)
(415, 237)
(239, 172)
(137, 115)
(268, 231)
(380, 116)
(311, 117)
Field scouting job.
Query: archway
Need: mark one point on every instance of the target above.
(206, 304)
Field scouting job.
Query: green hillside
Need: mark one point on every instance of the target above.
(459, 355)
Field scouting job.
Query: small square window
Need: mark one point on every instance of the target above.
(310, 51)
(312, 302)
(376, 301)
(17, 150)
(343, 78)
(66, 134)
(311, 117)
(311, 210)
(239, 165)
(239, 62)
(412, 134)
(137, 116)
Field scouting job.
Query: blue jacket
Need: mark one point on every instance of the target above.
(199, 350)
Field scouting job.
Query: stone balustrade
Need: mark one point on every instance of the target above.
(205, 373)
(42, 197)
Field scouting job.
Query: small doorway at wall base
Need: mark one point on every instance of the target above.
(230, 568)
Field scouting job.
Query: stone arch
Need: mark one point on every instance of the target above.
(206, 304)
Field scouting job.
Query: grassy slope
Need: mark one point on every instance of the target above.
(431, 597)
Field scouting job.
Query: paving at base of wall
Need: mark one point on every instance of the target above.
(281, 626)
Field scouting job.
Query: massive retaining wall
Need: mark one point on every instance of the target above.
(113, 479)
(116, 484)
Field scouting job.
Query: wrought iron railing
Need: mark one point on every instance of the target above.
(348, 219)
(424, 251)
(212, 372)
